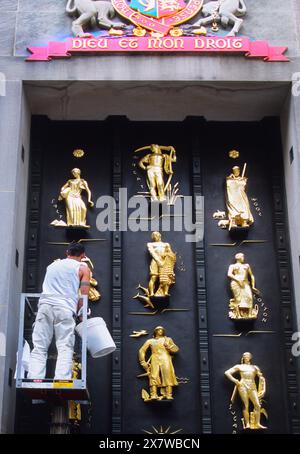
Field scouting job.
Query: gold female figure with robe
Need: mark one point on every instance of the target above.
(155, 164)
(238, 207)
(249, 391)
(159, 367)
(242, 286)
(75, 206)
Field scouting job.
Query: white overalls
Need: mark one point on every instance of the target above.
(56, 310)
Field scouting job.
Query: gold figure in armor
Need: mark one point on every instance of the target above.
(75, 206)
(162, 274)
(159, 367)
(238, 207)
(249, 391)
(242, 286)
(156, 163)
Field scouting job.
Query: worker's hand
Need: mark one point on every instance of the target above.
(80, 314)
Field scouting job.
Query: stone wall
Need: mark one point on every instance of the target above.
(26, 23)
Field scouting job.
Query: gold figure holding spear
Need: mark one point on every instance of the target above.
(155, 164)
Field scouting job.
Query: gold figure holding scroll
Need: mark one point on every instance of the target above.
(249, 391)
(242, 284)
(237, 203)
(162, 274)
(159, 367)
(238, 207)
(155, 164)
(75, 207)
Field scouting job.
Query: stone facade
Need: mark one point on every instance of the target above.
(139, 86)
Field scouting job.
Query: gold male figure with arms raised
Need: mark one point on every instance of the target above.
(248, 390)
(156, 163)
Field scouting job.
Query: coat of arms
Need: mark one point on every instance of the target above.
(158, 8)
(160, 16)
(200, 26)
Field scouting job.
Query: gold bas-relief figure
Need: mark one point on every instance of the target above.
(75, 207)
(155, 164)
(75, 407)
(237, 202)
(249, 391)
(242, 284)
(162, 274)
(159, 367)
(94, 294)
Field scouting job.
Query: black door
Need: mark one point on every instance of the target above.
(198, 321)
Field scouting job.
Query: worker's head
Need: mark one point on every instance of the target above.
(76, 250)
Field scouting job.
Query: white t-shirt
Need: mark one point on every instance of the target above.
(61, 284)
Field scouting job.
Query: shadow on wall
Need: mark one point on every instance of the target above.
(2, 344)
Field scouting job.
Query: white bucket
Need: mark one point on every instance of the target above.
(99, 341)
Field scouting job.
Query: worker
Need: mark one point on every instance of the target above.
(58, 307)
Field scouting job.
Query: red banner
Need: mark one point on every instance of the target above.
(108, 44)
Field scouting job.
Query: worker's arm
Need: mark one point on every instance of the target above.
(84, 277)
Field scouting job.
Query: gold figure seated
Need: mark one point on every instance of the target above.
(75, 207)
(162, 274)
(249, 391)
(242, 284)
(159, 367)
(155, 164)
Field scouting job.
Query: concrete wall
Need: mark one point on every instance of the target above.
(13, 198)
(27, 23)
(291, 140)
